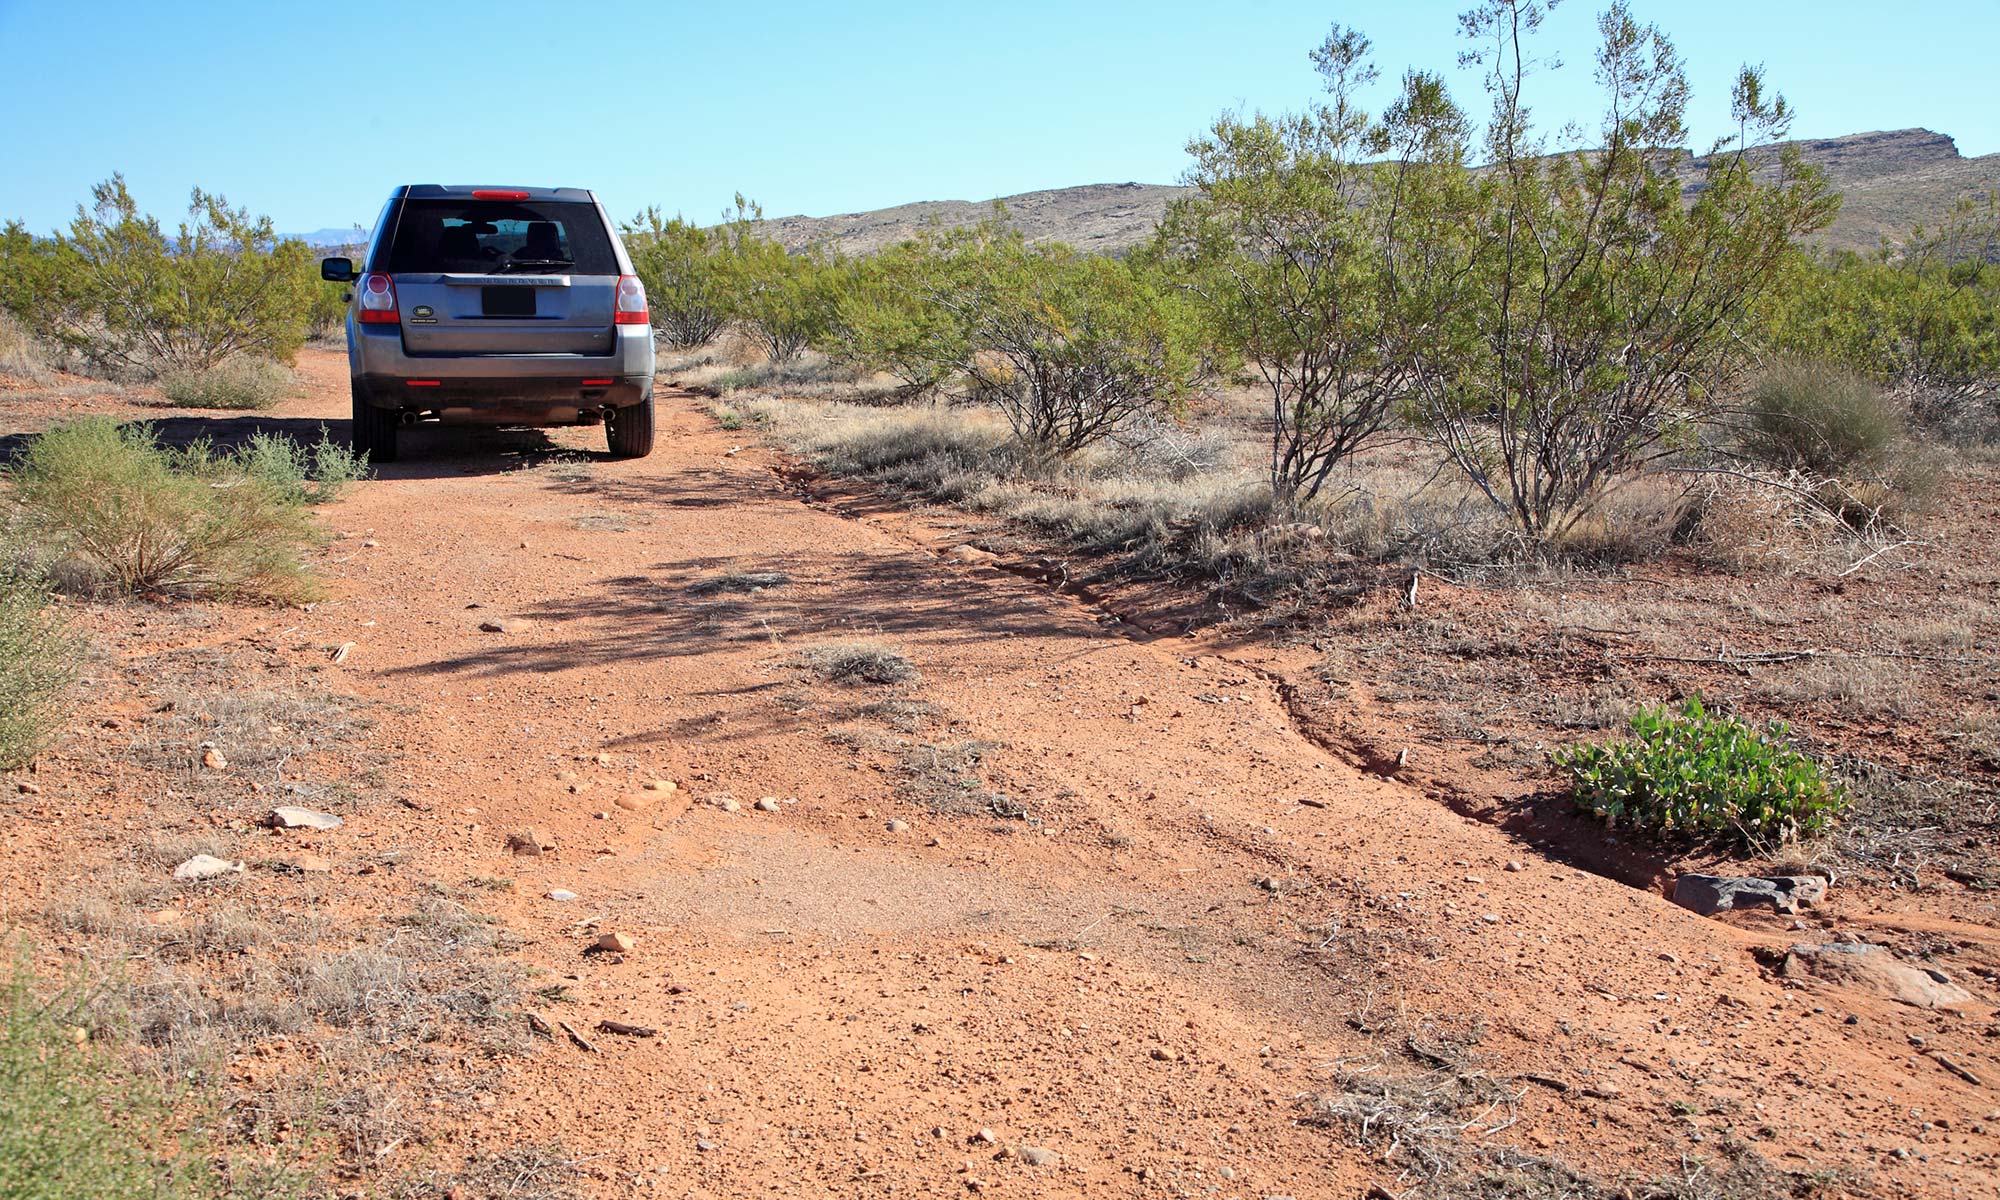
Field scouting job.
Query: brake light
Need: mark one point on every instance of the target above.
(425, 382)
(498, 194)
(598, 382)
(376, 300)
(631, 308)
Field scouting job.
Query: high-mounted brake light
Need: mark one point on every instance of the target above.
(498, 194)
(376, 300)
(425, 382)
(631, 301)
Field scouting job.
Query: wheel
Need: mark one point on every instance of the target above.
(630, 430)
(374, 428)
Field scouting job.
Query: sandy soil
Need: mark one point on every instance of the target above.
(1145, 922)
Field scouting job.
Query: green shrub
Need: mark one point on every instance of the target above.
(20, 354)
(126, 295)
(38, 663)
(302, 472)
(1821, 418)
(73, 1123)
(108, 508)
(240, 383)
(689, 276)
(1687, 773)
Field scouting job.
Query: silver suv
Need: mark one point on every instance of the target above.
(496, 306)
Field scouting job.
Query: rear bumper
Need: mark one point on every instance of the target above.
(505, 401)
(376, 353)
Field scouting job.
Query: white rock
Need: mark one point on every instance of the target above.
(287, 817)
(206, 866)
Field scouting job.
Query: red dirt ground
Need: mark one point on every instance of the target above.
(1184, 919)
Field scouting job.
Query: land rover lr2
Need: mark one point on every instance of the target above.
(496, 306)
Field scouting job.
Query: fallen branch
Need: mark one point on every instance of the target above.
(1865, 560)
(582, 1042)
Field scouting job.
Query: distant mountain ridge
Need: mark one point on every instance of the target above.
(1889, 181)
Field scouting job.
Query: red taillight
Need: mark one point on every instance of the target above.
(498, 194)
(424, 382)
(631, 308)
(376, 300)
(598, 382)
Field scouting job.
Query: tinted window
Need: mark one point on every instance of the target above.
(490, 236)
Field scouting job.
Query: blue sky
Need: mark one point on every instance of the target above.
(310, 113)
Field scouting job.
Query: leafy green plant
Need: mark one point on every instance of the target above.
(108, 507)
(302, 472)
(689, 276)
(1687, 772)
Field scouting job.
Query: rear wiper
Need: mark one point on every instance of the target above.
(532, 262)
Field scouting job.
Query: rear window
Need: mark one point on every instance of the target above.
(499, 236)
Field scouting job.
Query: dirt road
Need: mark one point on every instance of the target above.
(1082, 887)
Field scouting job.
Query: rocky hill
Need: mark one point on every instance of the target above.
(1889, 182)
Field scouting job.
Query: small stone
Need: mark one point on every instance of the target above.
(214, 759)
(701, 1144)
(528, 843)
(662, 785)
(1515, 864)
(615, 943)
(727, 803)
(602, 760)
(28, 789)
(1036, 1156)
(561, 896)
(288, 817)
(637, 802)
(369, 543)
(1711, 894)
(898, 826)
(767, 804)
(987, 1136)
(205, 866)
(1604, 1091)
(501, 625)
(1490, 918)
(1164, 1054)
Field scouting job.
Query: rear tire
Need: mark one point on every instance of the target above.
(630, 430)
(374, 428)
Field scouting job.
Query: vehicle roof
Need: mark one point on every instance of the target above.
(463, 191)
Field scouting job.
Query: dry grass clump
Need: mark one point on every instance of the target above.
(21, 356)
(251, 384)
(39, 661)
(945, 777)
(860, 661)
(738, 582)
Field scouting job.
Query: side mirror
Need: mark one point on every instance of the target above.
(337, 270)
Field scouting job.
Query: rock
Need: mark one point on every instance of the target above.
(28, 789)
(727, 803)
(662, 785)
(1515, 864)
(502, 625)
(287, 817)
(214, 759)
(560, 896)
(973, 555)
(898, 826)
(637, 802)
(987, 1136)
(307, 864)
(529, 843)
(1036, 1156)
(767, 804)
(1711, 894)
(206, 866)
(1874, 969)
(1490, 918)
(614, 943)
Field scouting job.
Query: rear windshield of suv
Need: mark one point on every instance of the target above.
(501, 236)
